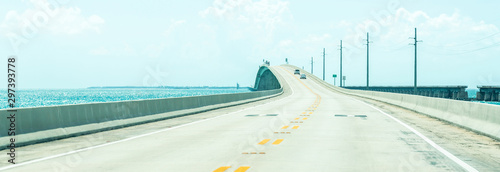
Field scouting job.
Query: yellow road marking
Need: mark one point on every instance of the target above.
(310, 113)
(295, 127)
(296, 118)
(284, 127)
(222, 169)
(242, 169)
(302, 82)
(264, 141)
(304, 118)
(303, 112)
(277, 142)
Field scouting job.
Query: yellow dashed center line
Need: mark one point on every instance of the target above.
(310, 113)
(277, 142)
(304, 118)
(264, 141)
(222, 169)
(242, 169)
(296, 118)
(284, 127)
(303, 112)
(295, 127)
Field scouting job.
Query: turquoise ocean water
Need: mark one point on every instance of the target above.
(472, 95)
(46, 97)
(493, 103)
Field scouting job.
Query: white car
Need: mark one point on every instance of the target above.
(303, 76)
(297, 72)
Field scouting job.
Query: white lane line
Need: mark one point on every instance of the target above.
(439, 148)
(135, 137)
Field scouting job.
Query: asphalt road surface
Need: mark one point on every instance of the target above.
(310, 128)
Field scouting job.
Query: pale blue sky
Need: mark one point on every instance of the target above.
(78, 44)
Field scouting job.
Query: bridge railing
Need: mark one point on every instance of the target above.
(448, 92)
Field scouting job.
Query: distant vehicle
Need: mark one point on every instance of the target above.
(297, 72)
(303, 76)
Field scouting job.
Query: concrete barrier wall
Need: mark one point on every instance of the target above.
(45, 118)
(479, 117)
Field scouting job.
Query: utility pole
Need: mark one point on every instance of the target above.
(323, 64)
(312, 67)
(415, 68)
(367, 61)
(341, 62)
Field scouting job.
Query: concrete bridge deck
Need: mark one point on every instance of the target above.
(308, 128)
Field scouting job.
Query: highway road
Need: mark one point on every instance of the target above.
(310, 128)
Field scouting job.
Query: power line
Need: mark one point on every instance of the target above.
(471, 51)
(468, 43)
(396, 49)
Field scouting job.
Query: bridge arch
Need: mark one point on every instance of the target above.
(266, 80)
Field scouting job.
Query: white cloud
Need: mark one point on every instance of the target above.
(99, 51)
(45, 15)
(317, 38)
(250, 16)
(125, 50)
(129, 50)
(452, 45)
(341, 25)
(154, 50)
(444, 30)
(247, 10)
(174, 24)
(285, 43)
